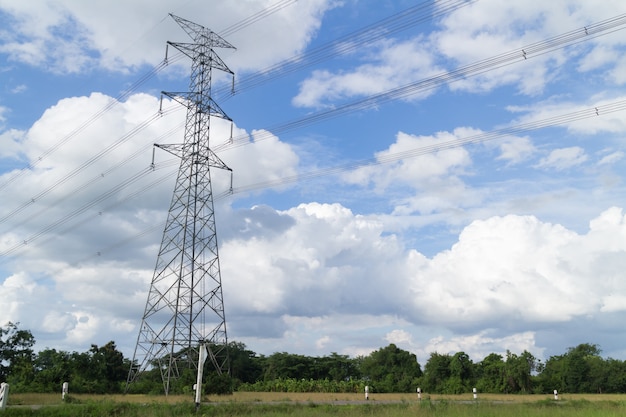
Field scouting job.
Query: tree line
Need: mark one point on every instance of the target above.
(104, 369)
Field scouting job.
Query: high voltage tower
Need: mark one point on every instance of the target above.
(184, 323)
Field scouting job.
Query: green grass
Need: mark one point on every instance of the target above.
(327, 405)
(423, 409)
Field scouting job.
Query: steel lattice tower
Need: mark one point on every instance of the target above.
(185, 308)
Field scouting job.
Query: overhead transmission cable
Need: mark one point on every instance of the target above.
(238, 26)
(91, 204)
(134, 86)
(224, 33)
(92, 119)
(129, 135)
(526, 53)
(86, 184)
(351, 42)
(125, 94)
(530, 51)
(556, 120)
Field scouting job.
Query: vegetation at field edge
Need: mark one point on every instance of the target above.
(425, 408)
(104, 370)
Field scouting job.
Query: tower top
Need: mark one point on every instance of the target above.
(201, 34)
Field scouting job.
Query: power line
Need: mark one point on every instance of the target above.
(89, 205)
(276, 7)
(591, 112)
(89, 121)
(556, 120)
(133, 87)
(129, 135)
(368, 34)
(351, 42)
(530, 51)
(519, 54)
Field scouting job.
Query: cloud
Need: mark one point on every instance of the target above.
(597, 114)
(516, 150)
(394, 64)
(466, 36)
(431, 246)
(19, 89)
(611, 158)
(487, 28)
(563, 158)
(81, 220)
(508, 275)
(70, 37)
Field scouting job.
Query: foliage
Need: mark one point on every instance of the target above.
(305, 385)
(100, 370)
(436, 373)
(103, 369)
(16, 353)
(391, 369)
(311, 409)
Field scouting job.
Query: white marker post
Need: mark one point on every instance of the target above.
(202, 354)
(4, 395)
(475, 393)
(556, 395)
(65, 390)
(367, 392)
(419, 393)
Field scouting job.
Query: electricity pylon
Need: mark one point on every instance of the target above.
(185, 308)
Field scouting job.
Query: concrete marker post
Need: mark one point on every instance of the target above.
(4, 395)
(65, 390)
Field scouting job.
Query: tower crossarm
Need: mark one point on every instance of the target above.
(201, 34)
(199, 101)
(200, 52)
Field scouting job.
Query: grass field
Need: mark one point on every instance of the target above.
(276, 397)
(318, 405)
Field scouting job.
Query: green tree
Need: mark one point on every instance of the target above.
(391, 369)
(339, 368)
(52, 368)
(245, 365)
(101, 370)
(461, 374)
(16, 354)
(283, 365)
(490, 374)
(615, 371)
(436, 372)
(518, 371)
(577, 369)
(552, 375)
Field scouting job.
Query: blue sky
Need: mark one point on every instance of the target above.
(482, 212)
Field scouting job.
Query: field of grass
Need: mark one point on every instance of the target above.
(318, 405)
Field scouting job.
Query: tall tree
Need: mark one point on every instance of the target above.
(490, 374)
(518, 371)
(16, 353)
(245, 366)
(392, 369)
(436, 372)
(578, 367)
(461, 374)
(52, 368)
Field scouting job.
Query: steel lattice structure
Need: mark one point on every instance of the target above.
(185, 308)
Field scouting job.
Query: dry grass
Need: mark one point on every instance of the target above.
(275, 397)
